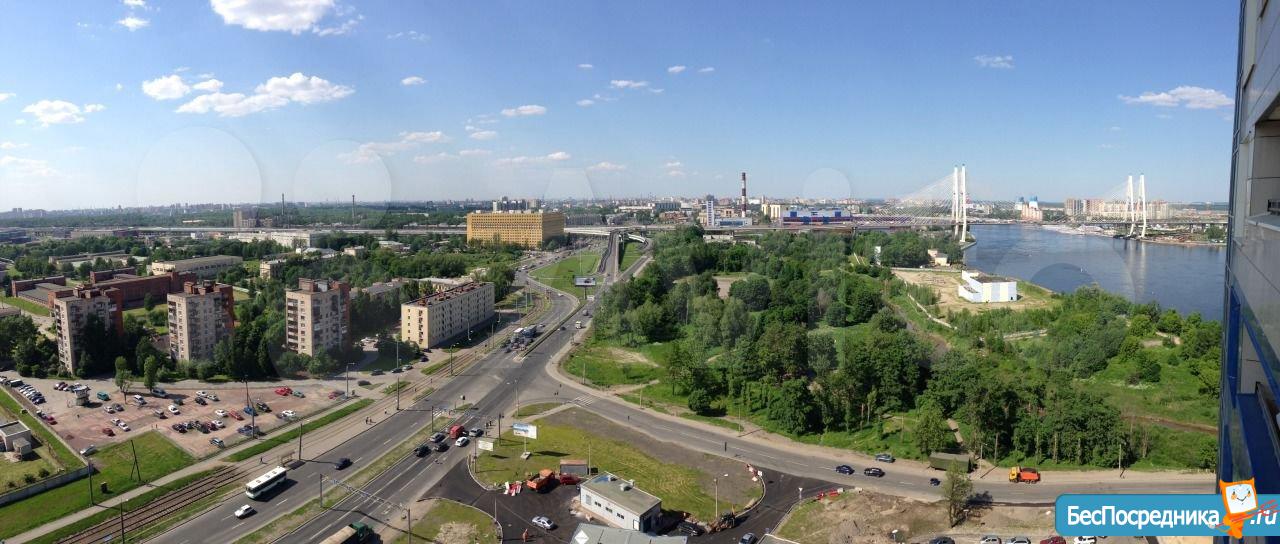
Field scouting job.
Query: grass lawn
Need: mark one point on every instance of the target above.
(534, 409)
(51, 448)
(129, 506)
(141, 314)
(677, 483)
(385, 362)
(459, 522)
(28, 306)
(560, 273)
(239, 296)
(291, 433)
(607, 365)
(631, 252)
(157, 457)
(394, 386)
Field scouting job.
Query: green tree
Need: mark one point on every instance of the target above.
(650, 321)
(754, 291)
(148, 302)
(733, 322)
(150, 372)
(956, 489)
(822, 353)
(782, 350)
(931, 432)
(1169, 322)
(793, 409)
(123, 378)
(700, 401)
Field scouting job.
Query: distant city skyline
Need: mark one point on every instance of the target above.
(139, 103)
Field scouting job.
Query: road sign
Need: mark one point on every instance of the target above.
(485, 444)
(524, 429)
(591, 298)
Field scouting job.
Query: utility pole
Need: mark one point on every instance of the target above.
(253, 410)
(346, 379)
(397, 374)
(299, 440)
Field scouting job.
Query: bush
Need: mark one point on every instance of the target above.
(44, 472)
(700, 401)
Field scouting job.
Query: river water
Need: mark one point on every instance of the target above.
(1189, 279)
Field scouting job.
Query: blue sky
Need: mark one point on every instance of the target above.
(145, 102)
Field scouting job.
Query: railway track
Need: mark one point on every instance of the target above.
(110, 530)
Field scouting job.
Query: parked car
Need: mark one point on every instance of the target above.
(1086, 540)
(244, 511)
(441, 446)
(844, 469)
(397, 370)
(937, 482)
(542, 521)
(201, 401)
(885, 458)
(102, 395)
(290, 414)
(989, 539)
(477, 432)
(942, 540)
(1019, 540)
(220, 412)
(689, 528)
(749, 538)
(179, 427)
(236, 415)
(89, 450)
(363, 382)
(217, 442)
(217, 424)
(159, 413)
(299, 394)
(283, 391)
(212, 396)
(422, 450)
(873, 471)
(173, 409)
(377, 372)
(109, 409)
(107, 431)
(138, 399)
(437, 437)
(202, 393)
(159, 392)
(249, 410)
(1055, 539)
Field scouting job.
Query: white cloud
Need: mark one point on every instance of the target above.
(134, 23)
(19, 122)
(628, 84)
(341, 30)
(412, 35)
(1114, 128)
(11, 145)
(994, 61)
(412, 80)
(586, 102)
(474, 153)
(169, 87)
(1190, 97)
(119, 87)
(408, 140)
(673, 164)
(432, 159)
(1163, 116)
(675, 173)
(524, 111)
(59, 112)
(585, 66)
(483, 134)
(706, 69)
(676, 69)
(656, 91)
(277, 92)
(558, 156)
(1106, 146)
(26, 168)
(6, 96)
(606, 166)
(208, 85)
(135, 3)
(293, 16)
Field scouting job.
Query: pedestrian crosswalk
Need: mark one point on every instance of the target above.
(584, 400)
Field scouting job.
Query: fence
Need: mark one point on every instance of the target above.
(46, 484)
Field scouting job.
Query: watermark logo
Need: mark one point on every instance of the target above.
(1237, 510)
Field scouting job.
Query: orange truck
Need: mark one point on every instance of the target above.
(1024, 474)
(544, 481)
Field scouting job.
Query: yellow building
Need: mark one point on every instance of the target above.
(523, 228)
(436, 318)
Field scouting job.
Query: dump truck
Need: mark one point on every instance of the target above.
(1024, 474)
(542, 482)
(947, 461)
(456, 431)
(351, 534)
(728, 520)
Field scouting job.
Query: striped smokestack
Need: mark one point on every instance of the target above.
(744, 194)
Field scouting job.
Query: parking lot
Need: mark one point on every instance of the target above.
(81, 426)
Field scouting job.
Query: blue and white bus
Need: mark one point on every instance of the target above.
(262, 484)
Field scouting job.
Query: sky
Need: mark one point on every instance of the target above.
(109, 103)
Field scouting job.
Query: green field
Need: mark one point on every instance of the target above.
(630, 254)
(157, 457)
(292, 433)
(129, 506)
(459, 517)
(604, 367)
(560, 273)
(53, 453)
(679, 485)
(534, 409)
(26, 305)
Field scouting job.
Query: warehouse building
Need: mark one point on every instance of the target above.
(437, 318)
(618, 502)
(985, 288)
(203, 267)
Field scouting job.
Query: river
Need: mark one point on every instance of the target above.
(1185, 278)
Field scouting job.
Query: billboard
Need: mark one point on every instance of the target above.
(485, 444)
(524, 429)
(584, 281)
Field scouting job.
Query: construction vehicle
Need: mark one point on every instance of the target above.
(948, 461)
(543, 482)
(727, 521)
(351, 534)
(1023, 474)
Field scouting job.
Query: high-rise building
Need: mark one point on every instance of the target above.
(317, 316)
(439, 317)
(71, 315)
(245, 218)
(522, 228)
(200, 316)
(1247, 430)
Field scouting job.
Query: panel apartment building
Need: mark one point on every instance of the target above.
(71, 313)
(203, 267)
(200, 316)
(435, 319)
(317, 316)
(523, 228)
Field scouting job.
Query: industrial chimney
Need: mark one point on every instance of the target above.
(744, 194)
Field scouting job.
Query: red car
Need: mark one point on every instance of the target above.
(236, 415)
(1054, 540)
(284, 391)
(107, 431)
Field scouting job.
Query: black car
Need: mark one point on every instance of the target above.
(396, 370)
(422, 450)
(199, 400)
(935, 482)
(873, 471)
(342, 463)
(442, 446)
(437, 437)
(844, 469)
(942, 540)
(689, 528)
(377, 372)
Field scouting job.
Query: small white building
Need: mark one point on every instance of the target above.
(939, 258)
(588, 533)
(981, 287)
(618, 502)
(15, 437)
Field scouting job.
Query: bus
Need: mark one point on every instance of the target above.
(262, 484)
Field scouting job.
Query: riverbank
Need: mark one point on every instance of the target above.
(1088, 230)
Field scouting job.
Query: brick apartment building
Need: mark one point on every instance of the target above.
(317, 316)
(70, 314)
(200, 316)
(134, 288)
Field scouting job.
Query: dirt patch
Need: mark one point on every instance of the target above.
(723, 283)
(946, 284)
(736, 488)
(456, 533)
(626, 356)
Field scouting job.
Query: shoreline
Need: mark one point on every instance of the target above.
(1152, 240)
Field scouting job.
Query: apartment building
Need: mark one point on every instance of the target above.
(200, 316)
(71, 314)
(524, 228)
(437, 318)
(203, 267)
(317, 316)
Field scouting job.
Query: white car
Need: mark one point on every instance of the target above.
(220, 412)
(88, 449)
(461, 441)
(173, 409)
(289, 414)
(989, 539)
(202, 393)
(217, 423)
(244, 511)
(120, 423)
(1086, 540)
(542, 521)
(138, 399)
